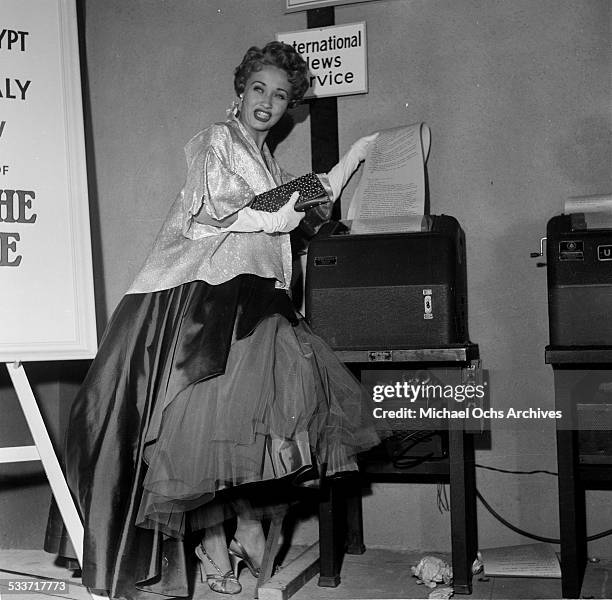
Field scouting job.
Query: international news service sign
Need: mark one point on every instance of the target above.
(336, 58)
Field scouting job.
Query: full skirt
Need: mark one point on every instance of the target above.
(195, 392)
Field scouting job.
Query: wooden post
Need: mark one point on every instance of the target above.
(323, 114)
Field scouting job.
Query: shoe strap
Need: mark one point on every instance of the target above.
(213, 563)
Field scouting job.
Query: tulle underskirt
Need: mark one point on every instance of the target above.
(285, 406)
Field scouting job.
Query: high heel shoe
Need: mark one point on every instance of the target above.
(238, 553)
(223, 583)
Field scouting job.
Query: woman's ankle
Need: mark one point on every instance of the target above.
(251, 535)
(215, 546)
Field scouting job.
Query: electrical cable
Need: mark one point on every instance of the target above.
(534, 536)
(536, 471)
(442, 503)
(501, 519)
(442, 499)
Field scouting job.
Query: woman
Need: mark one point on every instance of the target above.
(206, 382)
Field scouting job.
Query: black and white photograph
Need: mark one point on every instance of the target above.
(305, 299)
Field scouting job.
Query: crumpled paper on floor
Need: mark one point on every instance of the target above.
(477, 565)
(431, 571)
(441, 593)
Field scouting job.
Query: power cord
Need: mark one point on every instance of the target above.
(535, 472)
(516, 529)
(442, 499)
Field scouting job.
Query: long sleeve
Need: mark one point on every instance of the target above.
(212, 185)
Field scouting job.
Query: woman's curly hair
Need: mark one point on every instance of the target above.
(275, 54)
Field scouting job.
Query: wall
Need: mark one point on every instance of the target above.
(516, 93)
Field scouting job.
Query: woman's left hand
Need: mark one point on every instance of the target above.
(359, 149)
(341, 173)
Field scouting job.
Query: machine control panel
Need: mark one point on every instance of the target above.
(571, 250)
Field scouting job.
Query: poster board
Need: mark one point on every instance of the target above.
(47, 309)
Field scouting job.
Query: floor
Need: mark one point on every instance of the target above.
(377, 574)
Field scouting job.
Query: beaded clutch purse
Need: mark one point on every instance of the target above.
(312, 193)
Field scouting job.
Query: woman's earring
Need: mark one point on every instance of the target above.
(235, 107)
(238, 104)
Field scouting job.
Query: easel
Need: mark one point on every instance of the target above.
(43, 451)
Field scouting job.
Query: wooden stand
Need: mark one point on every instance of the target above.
(570, 365)
(43, 451)
(340, 518)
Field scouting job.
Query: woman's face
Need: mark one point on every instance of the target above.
(265, 99)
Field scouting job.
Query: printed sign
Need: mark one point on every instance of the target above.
(336, 57)
(46, 283)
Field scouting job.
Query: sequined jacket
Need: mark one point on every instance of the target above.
(225, 171)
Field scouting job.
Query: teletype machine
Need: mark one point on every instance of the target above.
(394, 308)
(579, 259)
(392, 290)
(579, 273)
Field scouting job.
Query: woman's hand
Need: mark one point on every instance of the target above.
(359, 149)
(341, 173)
(282, 221)
(288, 217)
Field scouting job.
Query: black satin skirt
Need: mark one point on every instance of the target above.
(198, 391)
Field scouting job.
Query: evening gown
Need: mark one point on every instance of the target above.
(200, 390)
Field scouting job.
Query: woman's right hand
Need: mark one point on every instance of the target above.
(288, 217)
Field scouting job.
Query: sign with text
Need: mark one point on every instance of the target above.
(336, 57)
(46, 283)
(296, 5)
